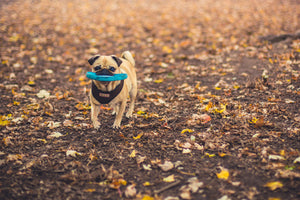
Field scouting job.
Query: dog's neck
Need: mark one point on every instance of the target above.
(104, 97)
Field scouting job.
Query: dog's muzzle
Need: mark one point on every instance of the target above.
(104, 72)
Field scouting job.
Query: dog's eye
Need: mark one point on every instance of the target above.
(112, 69)
(97, 67)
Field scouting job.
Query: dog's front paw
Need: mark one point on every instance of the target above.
(129, 114)
(116, 125)
(96, 125)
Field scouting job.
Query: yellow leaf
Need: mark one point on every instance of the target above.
(253, 121)
(274, 185)
(138, 136)
(217, 88)
(270, 60)
(187, 130)
(273, 198)
(123, 182)
(224, 174)
(236, 86)
(132, 155)
(4, 120)
(140, 112)
(82, 78)
(210, 155)
(146, 197)
(209, 106)
(223, 108)
(15, 37)
(31, 83)
(222, 154)
(92, 157)
(167, 49)
(159, 80)
(146, 183)
(90, 190)
(169, 179)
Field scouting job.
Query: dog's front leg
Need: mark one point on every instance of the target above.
(119, 115)
(95, 109)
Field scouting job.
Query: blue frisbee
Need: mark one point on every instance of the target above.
(115, 77)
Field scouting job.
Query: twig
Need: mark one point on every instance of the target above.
(167, 187)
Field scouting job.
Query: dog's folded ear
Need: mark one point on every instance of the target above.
(118, 60)
(93, 59)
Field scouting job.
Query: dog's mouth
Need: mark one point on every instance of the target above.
(104, 72)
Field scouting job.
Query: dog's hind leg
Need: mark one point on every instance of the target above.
(132, 94)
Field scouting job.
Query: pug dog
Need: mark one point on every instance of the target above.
(114, 93)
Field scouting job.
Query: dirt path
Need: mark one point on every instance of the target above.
(217, 113)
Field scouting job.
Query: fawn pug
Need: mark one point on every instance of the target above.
(114, 93)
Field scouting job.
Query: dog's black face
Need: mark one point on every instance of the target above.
(105, 65)
(103, 71)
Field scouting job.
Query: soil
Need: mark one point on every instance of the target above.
(217, 113)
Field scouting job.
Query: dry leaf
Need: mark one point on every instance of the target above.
(170, 178)
(146, 197)
(187, 130)
(224, 174)
(73, 153)
(276, 157)
(147, 167)
(130, 191)
(54, 135)
(43, 94)
(166, 166)
(274, 185)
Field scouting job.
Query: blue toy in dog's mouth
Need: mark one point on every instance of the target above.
(115, 77)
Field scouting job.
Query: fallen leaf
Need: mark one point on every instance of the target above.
(224, 174)
(90, 190)
(130, 191)
(92, 157)
(68, 123)
(132, 155)
(54, 135)
(170, 178)
(159, 80)
(186, 151)
(274, 185)
(138, 136)
(52, 124)
(185, 194)
(166, 166)
(147, 183)
(73, 153)
(43, 94)
(297, 160)
(194, 184)
(147, 167)
(171, 198)
(276, 157)
(187, 130)
(225, 197)
(146, 197)
(14, 157)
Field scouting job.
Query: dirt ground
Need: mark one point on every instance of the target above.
(217, 114)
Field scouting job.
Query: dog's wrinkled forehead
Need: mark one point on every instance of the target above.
(105, 60)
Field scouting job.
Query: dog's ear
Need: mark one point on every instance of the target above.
(118, 60)
(93, 59)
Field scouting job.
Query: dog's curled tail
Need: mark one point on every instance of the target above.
(128, 56)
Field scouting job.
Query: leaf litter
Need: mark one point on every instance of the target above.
(212, 93)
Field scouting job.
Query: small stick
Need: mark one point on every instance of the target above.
(167, 187)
